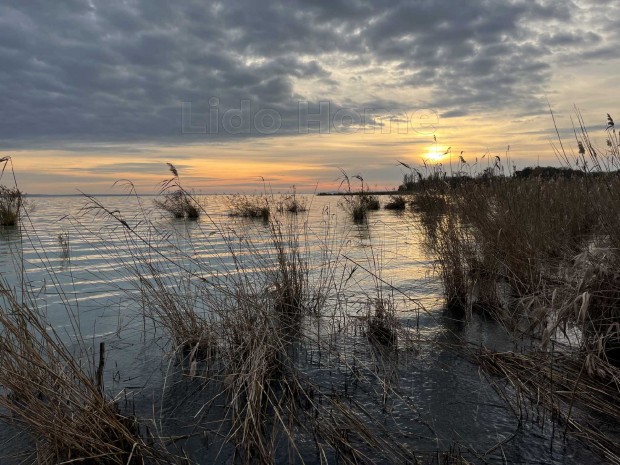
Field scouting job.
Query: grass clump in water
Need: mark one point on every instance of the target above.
(358, 203)
(11, 198)
(178, 204)
(292, 203)
(289, 278)
(175, 200)
(396, 202)
(11, 204)
(382, 321)
(249, 206)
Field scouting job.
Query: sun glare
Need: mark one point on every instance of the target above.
(435, 153)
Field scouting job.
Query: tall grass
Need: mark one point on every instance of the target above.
(524, 231)
(249, 206)
(175, 200)
(268, 324)
(540, 249)
(248, 330)
(560, 384)
(397, 202)
(58, 401)
(63, 243)
(11, 203)
(357, 203)
(292, 203)
(11, 198)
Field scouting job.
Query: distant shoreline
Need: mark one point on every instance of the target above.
(366, 193)
(321, 194)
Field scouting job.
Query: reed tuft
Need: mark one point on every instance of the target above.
(358, 203)
(57, 401)
(175, 200)
(249, 206)
(11, 204)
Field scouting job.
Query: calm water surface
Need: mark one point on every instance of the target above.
(444, 399)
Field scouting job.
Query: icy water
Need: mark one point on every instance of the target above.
(443, 400)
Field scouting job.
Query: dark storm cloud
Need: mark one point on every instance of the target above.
(108, 71)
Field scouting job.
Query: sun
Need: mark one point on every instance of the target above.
(435, 153)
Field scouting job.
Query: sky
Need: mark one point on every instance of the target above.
(237, 92)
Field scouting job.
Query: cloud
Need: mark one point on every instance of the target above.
(78, 72)
(159, 168)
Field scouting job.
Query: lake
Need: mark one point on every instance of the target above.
(82, 268)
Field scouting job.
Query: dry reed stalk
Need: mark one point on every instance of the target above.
(269, 300)
(397, 202)
(249, 206)
(357, 203)
(175, 200)
(11, 198)
(51, 397)
(562, 384)
(173, 306)
(291, 203)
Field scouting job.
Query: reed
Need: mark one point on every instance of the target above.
(291, 203)
(357, 203)
(519, 234)
(63, 243)
(289, 278)
(274, 331)
(11, 198)
(11, 204)
(173, 304)
(499, 239)
(396, 202)
(245, 331)
(249, 206)
(269, 321)
(382, 322)
(559, 384)
(539, 249)
(175, 200)
(55, 399)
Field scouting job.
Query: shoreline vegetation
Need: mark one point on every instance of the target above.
(297, 356)
(369, 192)
(538, 251)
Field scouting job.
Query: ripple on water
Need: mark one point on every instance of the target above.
(89, 295)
